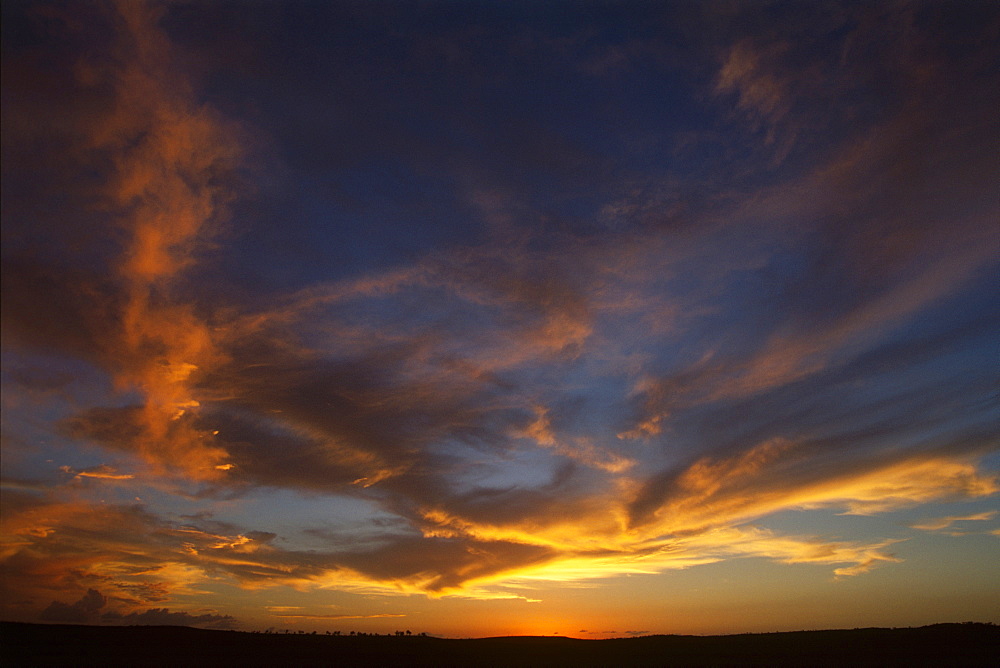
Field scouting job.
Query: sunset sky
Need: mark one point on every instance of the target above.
(489, 318)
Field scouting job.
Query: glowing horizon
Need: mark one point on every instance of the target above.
(598, 319)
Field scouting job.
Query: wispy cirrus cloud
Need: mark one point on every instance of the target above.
(101, 472)
(942, 523)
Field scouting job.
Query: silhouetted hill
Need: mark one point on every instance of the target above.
(62, 645)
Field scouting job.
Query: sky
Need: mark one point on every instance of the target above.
(489, 318)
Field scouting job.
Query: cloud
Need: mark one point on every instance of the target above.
(761, 92)
(101, 472)
(774, 476)
(87, 610)
(862, 567)
(327, 617)
(755, 542)
(167, 162)
(579, 449)
(941, 523)
(83, 611)
(166, 617)
(69, 545)
(437, 565)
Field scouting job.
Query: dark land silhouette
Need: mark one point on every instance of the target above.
(968, 644)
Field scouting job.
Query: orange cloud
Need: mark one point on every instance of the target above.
(72, 546)
(102, 472)
(942, 523)
(578, 449)
(166, 191)
(741, 488)
(285, 615)
(761, 91)
(703, 519)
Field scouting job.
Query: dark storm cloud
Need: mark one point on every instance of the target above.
(83, 611)
(87, 610)
(166, 617)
